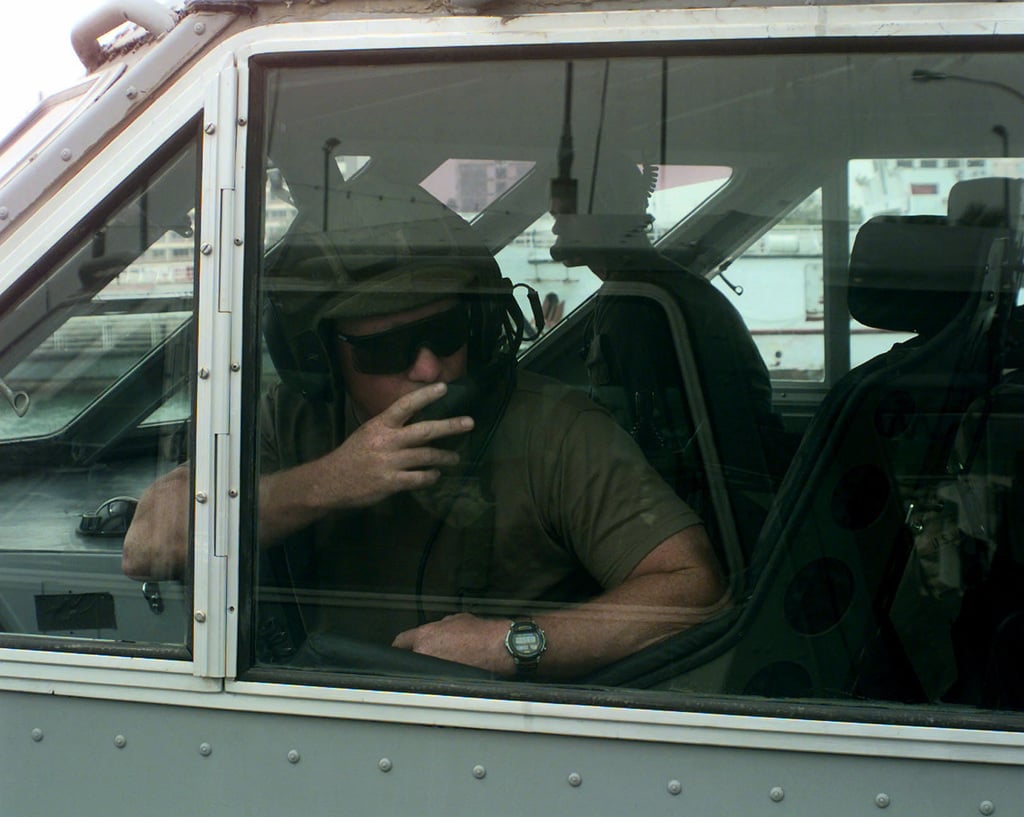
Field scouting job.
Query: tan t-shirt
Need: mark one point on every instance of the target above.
(561, 505)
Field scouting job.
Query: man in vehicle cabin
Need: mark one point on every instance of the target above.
(403, 457)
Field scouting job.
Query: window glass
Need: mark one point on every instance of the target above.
(675, 191)
(777, 283)
(778, 287)
(908, 187)
(442, 215)
(281, 208)
(136, 312)
(470, 186)
(96, 367)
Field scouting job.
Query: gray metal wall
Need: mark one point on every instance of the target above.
(68, 756)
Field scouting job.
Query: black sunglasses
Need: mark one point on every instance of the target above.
(395, 350)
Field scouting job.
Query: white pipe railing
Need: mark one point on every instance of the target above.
(148, 14)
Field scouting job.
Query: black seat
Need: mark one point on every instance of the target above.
(828, 577)
(833, 591)
(987, 461)
(673, 360)
(675, 363)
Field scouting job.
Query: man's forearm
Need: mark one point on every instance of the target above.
(580, 639)
(288, 502)
(638, 613)
(676, 586)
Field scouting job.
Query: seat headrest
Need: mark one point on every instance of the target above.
(915, 273)
(991, 202)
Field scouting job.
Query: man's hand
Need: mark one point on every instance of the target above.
(386, 454)
(383, 456)
(156, 544)
(463, 637)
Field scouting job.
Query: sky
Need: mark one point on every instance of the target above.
(35, 39)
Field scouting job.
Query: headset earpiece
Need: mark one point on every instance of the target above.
(302, 358)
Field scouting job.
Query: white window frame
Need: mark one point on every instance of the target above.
(200, 92)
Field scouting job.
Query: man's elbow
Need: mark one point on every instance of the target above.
(710, 590)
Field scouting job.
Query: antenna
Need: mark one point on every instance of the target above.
(564, 194)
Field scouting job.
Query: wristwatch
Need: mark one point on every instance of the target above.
(526, 643)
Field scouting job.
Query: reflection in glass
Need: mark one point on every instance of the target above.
(102, 343)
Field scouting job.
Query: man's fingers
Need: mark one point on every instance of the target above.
(405, 408)
(415, 480)
(402, 410)
(404, 640)
(427, 430)
(424, 458)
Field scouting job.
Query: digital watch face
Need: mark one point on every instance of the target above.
(526, 644)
